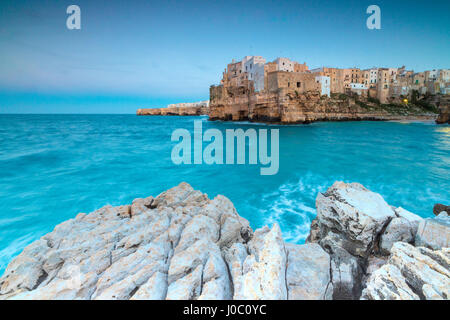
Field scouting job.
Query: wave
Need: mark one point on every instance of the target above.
(292, 205)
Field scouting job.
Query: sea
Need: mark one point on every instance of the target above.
(54, 166)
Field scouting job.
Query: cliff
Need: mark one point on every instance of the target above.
(239, 104)
(179, 109)
(183, 245)
(444, 114)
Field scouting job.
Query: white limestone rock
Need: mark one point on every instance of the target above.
(308, 273)
(387, 283)
(350, 216)
(169, 247)
(264, 271)
(411, 217)
(434, 233)
(411, 273)
(182, 245)
(399, 229)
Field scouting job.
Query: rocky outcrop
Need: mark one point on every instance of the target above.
(308, 275)
(183, 245)
(240, 103)
(438, 208)
(179, 245)
(433, 233)
(410, 274)
(402, 228)
(179, 109)
(444, 114)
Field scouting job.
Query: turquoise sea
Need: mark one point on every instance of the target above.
(55, 166)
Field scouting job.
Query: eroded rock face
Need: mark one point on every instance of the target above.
(399, 229)
(434, 233)
(261, 274)
(350, 217)
(357, 228)
(308, 273)
(411, 273)
(444, 114)
(238, 103)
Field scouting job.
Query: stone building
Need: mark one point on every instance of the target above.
(300, 67)
(358, 88)
(254, 67)
(335, 75)
(254, 84)
(384, 80)
(233, 75)
(292, 82)
(369, 77)
(350, 75)
(285, 64)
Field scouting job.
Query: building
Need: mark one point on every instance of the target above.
(300, 67)
(358, 88)
(419, 83)
(233, 75)
(324, 82)
(254, 67)
(369, 77)
(254, 75)
(335, 75)
(384, 80)
(292, 82)
(285, 64)
(350, 75)
(444, 81)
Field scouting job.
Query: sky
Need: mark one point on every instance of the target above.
(135, 54)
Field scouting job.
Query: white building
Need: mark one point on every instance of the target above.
(433, 75)
(284, 64)
(373, 75)
(444, 75)
(254, 66)
(324, 84)
(359, 88)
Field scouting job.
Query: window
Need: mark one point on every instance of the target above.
(289, 84)
(298, 84)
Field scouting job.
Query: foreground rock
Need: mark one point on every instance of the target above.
(438, 208)
(433, 233)
(183, 245)
(179, 245)
(411, 274)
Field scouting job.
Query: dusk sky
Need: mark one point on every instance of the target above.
(131, 54)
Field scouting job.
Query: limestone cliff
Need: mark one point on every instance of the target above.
(239, 104)
(183, 245)
(444, 114)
